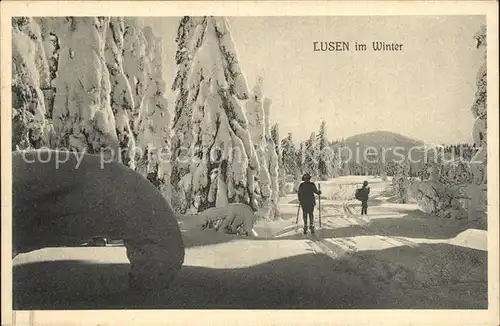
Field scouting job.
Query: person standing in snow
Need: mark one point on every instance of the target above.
(307, 200)
(362, 195)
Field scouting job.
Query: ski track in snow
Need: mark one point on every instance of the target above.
(336, 247)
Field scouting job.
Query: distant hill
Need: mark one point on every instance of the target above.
(391, 142)
(382, 139)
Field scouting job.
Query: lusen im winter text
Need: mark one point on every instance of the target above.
(340, 46)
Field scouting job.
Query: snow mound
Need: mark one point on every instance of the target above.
(235, 218)
(472, 238)
(436, 198)
(70, 197)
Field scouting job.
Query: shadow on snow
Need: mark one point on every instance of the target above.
(366, 280)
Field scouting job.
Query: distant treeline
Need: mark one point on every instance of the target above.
(316, 157)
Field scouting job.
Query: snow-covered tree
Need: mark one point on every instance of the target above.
(275, 135)
(335, 160)
(382, 164)
(91, 84)
(439, 189)
(300, 166)
(30, 76)
(478, 188)
(135, 63)
(400, 180)
(214, 159)
(345, 159)
(310, 156)
(289, 156)
(325, 159)
(82, 114)
(121, 95)
(256, 126)
(271, 158)
(299, 156)
(154, 119)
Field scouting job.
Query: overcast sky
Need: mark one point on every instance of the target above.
(424, 92)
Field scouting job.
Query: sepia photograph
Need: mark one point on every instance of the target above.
(249, 162)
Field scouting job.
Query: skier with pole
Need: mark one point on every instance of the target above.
(307, 201)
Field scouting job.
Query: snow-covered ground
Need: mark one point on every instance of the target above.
(394, 257)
